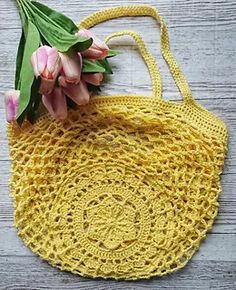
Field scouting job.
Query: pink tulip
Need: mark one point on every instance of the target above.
(98, 49)
(12, 103)
(71, 67)
(77, 92)
(94, 79)
(56, 104)
(46, 63)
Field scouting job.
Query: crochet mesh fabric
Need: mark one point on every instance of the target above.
(126, 187)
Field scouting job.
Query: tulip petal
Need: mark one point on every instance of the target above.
(99, 44)
(78, 93)
(46, 62)
(42, 58)
(94, 79)
(93, 53)
(98, 49)
(34, 63)
(84, 33)
(11, 104)
(80, 61)
(72, 66)
(54, 62)
(62, 81)
(56, 104)
(46, 86)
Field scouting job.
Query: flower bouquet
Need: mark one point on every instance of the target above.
(58, 64)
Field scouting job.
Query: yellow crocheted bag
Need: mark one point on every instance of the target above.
(127, 186)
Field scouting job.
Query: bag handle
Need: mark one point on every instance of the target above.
(144, 10)
(148, 58)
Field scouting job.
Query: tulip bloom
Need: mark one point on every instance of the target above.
(71, 67)
(98, 49)
(56, 104)
(46, 63)
(12, 104)
(77, 92)
(94, 79)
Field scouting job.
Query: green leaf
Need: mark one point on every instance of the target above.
(27, 74)
(62, 20)
(35, 100)
(23, 16)
(92, 67)
(113, 52)
(19, 60)
(94, 89)
(56, 35)
(31, 110)
(104, 63)
(60, 38)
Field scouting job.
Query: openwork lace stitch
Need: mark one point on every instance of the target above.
(127, 186)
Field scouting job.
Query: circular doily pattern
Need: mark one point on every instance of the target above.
(115, 223)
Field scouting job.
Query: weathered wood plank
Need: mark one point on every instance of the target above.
(32, 273)
(195, 12)
(204, 65)
(200, 50)
(211, 248)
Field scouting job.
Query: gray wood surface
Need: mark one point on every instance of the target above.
(203, 38)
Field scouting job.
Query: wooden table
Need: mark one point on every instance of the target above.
(203, 38)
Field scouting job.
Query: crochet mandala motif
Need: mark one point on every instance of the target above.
(126, 187)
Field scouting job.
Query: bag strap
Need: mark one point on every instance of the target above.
(144, 10)
(148, 58)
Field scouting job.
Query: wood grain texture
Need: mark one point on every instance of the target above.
(203, 38)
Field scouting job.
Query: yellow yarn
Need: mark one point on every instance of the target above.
(127, 186)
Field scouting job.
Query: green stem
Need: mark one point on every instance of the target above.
(23, 6)
(28, 7)
(18, 3)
